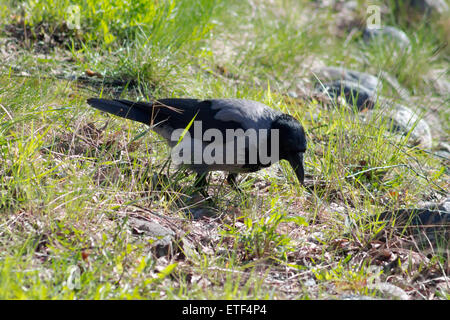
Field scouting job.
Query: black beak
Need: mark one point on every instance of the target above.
(296, 161)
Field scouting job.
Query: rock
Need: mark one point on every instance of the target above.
(387, 33)
(327, 74)
(405, 120)
(438, 74)
(389, 291)
(444, 146)
(292, 94)
(401, 119)
(432, 221)
(442, 206)
(163, 236)
(429, 6)
(309, 282)
(354, 93)
(441, 86)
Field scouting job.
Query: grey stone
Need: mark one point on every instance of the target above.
(443, 151)
(292, 94)
(309, 282)
(404, 121)
(327, 74)
(164, 237)
(387, 33)
(432, 221)
(354, 93)
(442, 206)
(429, 6)
(444, 146)
(444, 155)
(442, 86)
(390, 291)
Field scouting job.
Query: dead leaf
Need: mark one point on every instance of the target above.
(91, 73)
(85, 255)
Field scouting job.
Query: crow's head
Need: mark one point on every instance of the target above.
(292, 143)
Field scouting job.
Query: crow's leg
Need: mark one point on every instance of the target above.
(201, 183)
(231, 179)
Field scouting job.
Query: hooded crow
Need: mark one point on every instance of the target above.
(230, 135)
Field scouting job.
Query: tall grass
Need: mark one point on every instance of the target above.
(167, 24)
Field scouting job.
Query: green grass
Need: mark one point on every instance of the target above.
(71, 177)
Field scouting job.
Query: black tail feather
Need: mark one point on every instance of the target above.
(141, 112)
